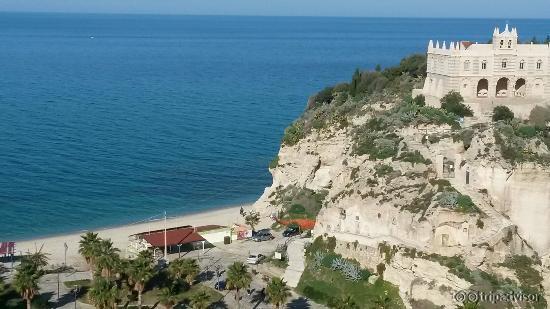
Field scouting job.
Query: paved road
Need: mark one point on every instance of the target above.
(221, 256)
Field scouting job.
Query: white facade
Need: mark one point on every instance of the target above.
(498, 70)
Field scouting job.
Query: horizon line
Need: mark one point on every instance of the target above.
(261, 15)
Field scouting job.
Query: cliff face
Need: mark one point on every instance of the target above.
(387, 178)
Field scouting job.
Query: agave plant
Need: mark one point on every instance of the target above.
(318, 258)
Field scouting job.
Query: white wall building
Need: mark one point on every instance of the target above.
(501, 70)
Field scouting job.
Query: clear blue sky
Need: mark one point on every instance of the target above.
(407, 8)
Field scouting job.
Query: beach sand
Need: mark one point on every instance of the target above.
(54, 246)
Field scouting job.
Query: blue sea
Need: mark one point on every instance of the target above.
(112, 119)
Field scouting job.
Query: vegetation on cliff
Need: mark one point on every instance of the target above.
(325, 280)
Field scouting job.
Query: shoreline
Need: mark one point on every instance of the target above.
(96, 229)
(55, 248)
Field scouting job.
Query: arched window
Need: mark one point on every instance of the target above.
(522, 64)
(484, 65)
(504, 64)
(466, 65)
(539, 64)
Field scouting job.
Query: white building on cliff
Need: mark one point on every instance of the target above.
(503, 70)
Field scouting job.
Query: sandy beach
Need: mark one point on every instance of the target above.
(54, 246)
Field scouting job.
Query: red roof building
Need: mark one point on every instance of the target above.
(176, 236)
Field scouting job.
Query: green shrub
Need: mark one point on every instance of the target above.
(540, 116)
(382, 170)
(274, 163)
(294, 133)
(420, 100)
(523, 266)
(466, 136)
(465, 204)
(526, 131)
(453, 103)
(502, 113)
(297, 209)
(414, 157)
(324, 96)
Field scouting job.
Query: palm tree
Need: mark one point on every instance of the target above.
(186, 269)
(277, 292)
(103, 293)
(139, 272)
(89, 249)
(108, 258)
(38, 259)
(343, 303)
(238, 278)
(168, 297)
(199, 300)
(25, 281)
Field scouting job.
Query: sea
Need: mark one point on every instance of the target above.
(114, 119)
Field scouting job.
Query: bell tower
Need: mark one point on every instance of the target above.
(506, 40)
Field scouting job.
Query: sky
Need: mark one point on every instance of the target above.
(368, 8)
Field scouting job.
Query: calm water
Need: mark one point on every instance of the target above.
(110, 119)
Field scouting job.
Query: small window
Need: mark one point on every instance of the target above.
(509, 43)
(466, 65)
(504, 64)
(484, 65)
(539, 64)
(501, 43)
(522, 65)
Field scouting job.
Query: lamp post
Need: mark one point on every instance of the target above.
(66, 248)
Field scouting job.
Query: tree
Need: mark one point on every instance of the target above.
(343, 303)
(540, 117)
(140, 271)
(420, 100)
(453, 103)
(186, 269)
(38, 259)
(89, 249)
(469, 305)
(252, 219)
(502, 113)
(108, 258)
(238, 278)
(168, 297)
(277, 292)
(199, 300)
(25, 281)
(103, 293)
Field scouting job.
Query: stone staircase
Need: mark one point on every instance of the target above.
(296, 262)
(495, 223)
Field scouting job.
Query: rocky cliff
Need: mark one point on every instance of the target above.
(445, 203)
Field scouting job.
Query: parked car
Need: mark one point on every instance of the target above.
(254, 259)
(291, 231)
(220, 286)
(262, 235)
